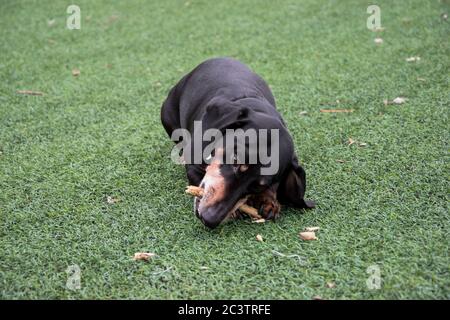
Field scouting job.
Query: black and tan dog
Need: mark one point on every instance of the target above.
(223, 94)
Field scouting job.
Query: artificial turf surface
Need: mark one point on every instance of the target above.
(99, 134)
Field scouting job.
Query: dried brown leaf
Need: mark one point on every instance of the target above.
(413, 59)
(259, 238)
(378, 40)
(336, 110)
(308, 235)
(351, 141)
(262, 220)
(145, 256)
(113, 18)
(399, 100)
(76, 72)
(30, 92)
(111, 200)
(362, 144)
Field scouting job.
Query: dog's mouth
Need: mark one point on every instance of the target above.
(196, 205)
(235, 212)
(220, 217)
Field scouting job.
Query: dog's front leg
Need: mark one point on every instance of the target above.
(267, 203)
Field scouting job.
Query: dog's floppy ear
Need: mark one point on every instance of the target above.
(293, 185)
(222, 114)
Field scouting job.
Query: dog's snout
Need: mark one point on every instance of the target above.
(209, 219)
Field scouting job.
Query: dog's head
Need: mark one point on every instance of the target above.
(258, 154)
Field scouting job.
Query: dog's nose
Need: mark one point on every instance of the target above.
(210, 223)
(210, 220)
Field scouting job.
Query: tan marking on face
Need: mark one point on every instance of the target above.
(214, 186)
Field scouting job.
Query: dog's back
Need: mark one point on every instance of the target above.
(217, 78)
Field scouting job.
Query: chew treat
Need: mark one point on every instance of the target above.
(194, 191)
(250, 211)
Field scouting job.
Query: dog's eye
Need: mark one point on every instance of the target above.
(243, 167)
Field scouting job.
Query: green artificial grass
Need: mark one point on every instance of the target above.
(385, 203)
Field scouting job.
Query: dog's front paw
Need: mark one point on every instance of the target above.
(235, 215)
(266, 203)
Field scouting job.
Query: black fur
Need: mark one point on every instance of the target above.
(225, 93)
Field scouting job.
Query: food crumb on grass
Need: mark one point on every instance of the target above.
(307, 235)
(143, 256)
